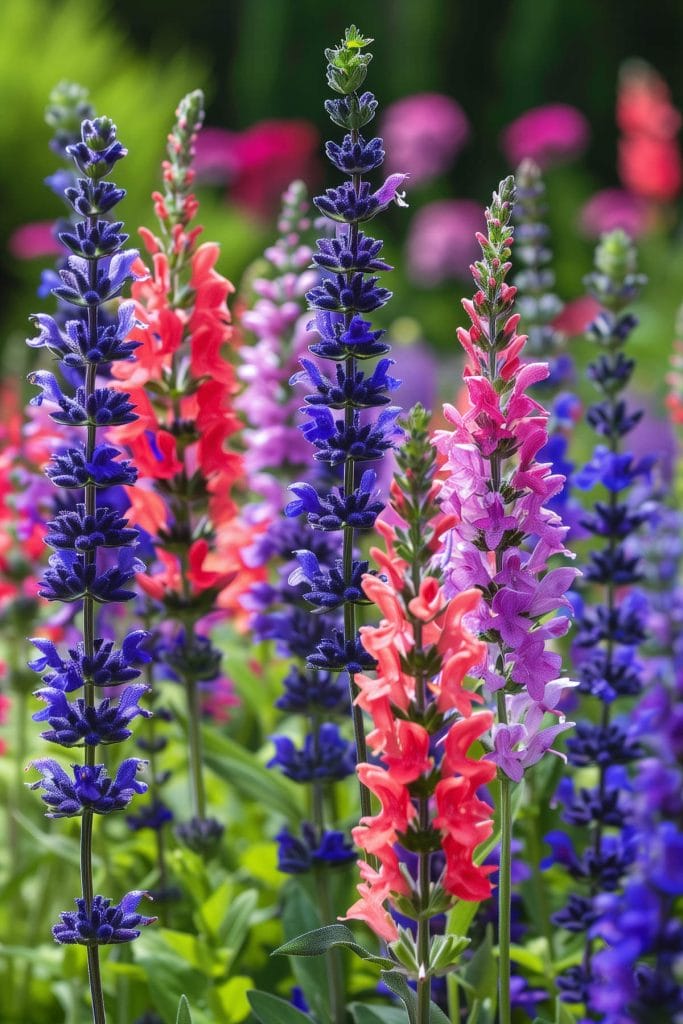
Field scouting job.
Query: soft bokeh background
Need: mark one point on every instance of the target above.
(261, 60)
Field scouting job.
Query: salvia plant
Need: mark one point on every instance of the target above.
(182, 386)
(349, 420)
(420, 848)
(279, 610)
(399, 589)
(94, 560)
(278, 321)
(505, 535)
(611, 622)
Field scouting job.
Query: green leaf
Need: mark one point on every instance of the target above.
(168, 974)
(481, 974)
(481, 1012)
(528, 958)
(233, 996)
(461, 916)
(364, 1014)
(320, 940)
(542, 1020)
(300, 915)
(184, 1016)
(272, 1010)
(484, 850)
(397, 984)
(251, 779)
(237, 919)
(562, 1014)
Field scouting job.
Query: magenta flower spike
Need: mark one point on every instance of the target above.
(506, 533)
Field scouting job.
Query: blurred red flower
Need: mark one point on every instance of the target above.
(258, 163)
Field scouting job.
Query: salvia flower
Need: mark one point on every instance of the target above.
(347, 416)
(278, 322)
(610, 628)
(498, 490)
(101, 923)
(94, 559)
(182, 387)
(423, 728)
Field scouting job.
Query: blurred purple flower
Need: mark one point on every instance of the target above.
(613, 208)
(441, 242)
(548, 135)
(423, 134)
(654, 434)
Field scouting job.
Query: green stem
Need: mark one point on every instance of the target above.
(333, 959)
(154, 791)
(505, 869)
(90, 500)
(610, 600)
(504, 885)
(194, 731)
(534, 857)
(336, 986)
(347, 547)
(424, 981)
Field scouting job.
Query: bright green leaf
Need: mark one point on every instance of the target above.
(237, 919)
(527, 958)
(234, 998)
(213, 910)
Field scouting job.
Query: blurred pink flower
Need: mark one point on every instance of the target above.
(258, 163)
(614, 208)
(32, 240)
(548, 135)
(576, 316)
(219, 698)
(441, 242)
(423, 134)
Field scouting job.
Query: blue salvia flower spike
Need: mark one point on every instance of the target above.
(94, 559)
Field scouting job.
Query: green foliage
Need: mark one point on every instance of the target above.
(397, 984)
(480, 977)
(376, 1014)
(270, 1009)
(347, 66)
(332, 936)
(300, 916)
(250, 778)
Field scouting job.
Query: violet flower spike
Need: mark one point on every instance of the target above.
(82, 569)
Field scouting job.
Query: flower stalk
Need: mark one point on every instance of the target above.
(505, 534)
(366, 428)
(83, 537)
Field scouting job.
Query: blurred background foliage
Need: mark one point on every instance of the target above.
(263, 59)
